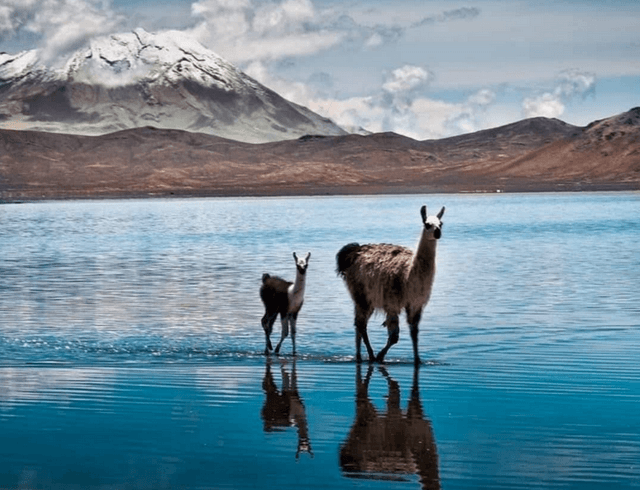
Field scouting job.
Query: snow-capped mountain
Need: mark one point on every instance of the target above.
(136, 79)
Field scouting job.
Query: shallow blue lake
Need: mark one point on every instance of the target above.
(131, 351)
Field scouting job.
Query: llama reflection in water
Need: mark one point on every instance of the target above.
(284, 408)
(389, 445)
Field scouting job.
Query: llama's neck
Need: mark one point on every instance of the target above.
(298, 286)
(296, 291)
(424, 259)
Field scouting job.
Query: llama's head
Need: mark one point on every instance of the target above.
(432, 224)
(302, 264)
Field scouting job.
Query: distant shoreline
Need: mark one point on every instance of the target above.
(16, 196)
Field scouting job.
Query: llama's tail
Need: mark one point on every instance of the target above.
(346, 257)
(265, 276)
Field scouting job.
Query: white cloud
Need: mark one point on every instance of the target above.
(463, 13)
(225, 20)
(286, 17)
(13, 16)
(399, 105)
(297, 92)
(245, 31)
(482, 98)
(545, 105)
(576, 83)
(353, 113)
(253, 30)
(374, 41)
(420, 117)
(467, 116)
(61, 25)
(406, 79)
(434, 118)
(569, 84)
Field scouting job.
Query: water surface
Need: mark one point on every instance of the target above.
(131, 346)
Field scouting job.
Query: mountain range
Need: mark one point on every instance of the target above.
(141, 114)
(537, 154)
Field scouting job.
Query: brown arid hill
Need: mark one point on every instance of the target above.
(532, 155)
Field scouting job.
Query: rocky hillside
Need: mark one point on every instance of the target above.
(605, 151)
(531, 155)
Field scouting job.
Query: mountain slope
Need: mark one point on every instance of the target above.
(526, 156)
(605, 150)
(138, 79)
(522, 135)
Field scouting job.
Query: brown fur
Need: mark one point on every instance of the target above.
(390, 278)
(382, 275)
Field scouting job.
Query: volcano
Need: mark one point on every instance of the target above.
(137, 79)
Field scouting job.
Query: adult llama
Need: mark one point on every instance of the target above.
(391, 278)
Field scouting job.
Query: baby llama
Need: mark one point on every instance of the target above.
(283, 298)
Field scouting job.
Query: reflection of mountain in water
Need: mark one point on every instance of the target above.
(284, 408)
(389, 445)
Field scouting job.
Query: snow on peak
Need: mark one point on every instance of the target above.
(165, 79)
(140, 56)
(17, 66)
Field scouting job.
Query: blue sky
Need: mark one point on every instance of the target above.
(426, 69)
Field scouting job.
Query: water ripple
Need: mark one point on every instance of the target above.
(130, 338)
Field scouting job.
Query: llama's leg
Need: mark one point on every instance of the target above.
(285, 331)
(413, 319)
(267, 324)
(358, 344)
(393, 327)
(293, 317)
(362, 317)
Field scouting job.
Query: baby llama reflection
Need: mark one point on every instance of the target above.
(391, 278)
(283, 298)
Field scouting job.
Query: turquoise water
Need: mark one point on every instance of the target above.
(131, 346)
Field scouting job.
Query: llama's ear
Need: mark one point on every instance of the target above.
(423, 213)
(441, 213)
(308, 257)
(295, 257)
